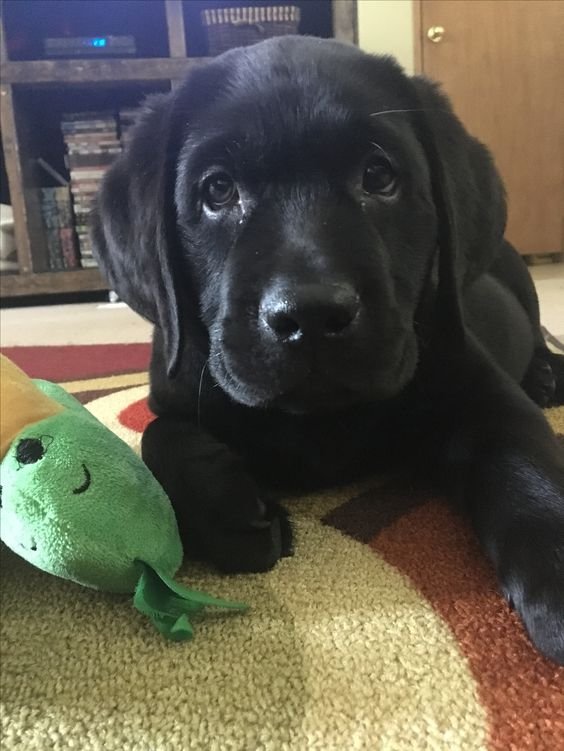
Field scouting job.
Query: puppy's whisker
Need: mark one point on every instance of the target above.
(395, 112)
(200, 391)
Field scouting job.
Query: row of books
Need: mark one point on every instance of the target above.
(57, 215)
(92, 141)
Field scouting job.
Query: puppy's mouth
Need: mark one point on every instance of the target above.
(313, 388)
(323, 395)
(313, 395)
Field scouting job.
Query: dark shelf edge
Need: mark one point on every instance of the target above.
(86, 71)
(51, 283)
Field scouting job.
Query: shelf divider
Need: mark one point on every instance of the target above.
(96, 71)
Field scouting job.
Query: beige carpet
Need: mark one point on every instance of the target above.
(384, 631)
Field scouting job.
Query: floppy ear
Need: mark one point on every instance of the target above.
(134, 223)
(469, 200)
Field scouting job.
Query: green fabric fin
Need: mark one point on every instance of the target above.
(175, 629)
(168, 604)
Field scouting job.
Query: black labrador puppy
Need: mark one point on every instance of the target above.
(320, 246)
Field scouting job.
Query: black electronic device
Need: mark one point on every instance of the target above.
(98, 46)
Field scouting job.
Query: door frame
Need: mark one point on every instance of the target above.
(418, 36)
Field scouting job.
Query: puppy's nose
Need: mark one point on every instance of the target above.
(309, 310)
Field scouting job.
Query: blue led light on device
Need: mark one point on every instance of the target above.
(98, 42)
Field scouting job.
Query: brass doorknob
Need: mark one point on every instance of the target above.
(435, 34)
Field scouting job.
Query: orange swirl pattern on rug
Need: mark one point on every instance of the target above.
(523, 692)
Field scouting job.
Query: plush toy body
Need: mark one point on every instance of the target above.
(77, 502)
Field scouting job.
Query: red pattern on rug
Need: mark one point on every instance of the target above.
(136, 416)
(68, 363)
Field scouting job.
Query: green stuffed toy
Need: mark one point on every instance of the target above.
(77, 502)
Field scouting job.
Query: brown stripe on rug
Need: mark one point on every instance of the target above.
(365, 515)
(523, 692)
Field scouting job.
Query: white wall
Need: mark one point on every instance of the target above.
(386, 27)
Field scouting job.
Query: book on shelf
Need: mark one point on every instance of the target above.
(127, 119)
(92, 141)
(68, 246)
(57, 216)
(79, 175)
(92, 158)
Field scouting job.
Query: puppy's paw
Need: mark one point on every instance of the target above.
(539, 382)
(544, 620)
(534, 585)
(238, 532)
(218, 506)
(254, 544)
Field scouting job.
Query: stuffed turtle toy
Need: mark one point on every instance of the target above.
(77, 502)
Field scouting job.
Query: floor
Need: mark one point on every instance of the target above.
(92, 323)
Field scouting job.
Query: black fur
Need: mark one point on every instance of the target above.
(312, 330)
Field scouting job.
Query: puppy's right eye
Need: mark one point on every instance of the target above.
(379, 177)
(219, 191)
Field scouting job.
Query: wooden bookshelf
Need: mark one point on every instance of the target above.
(51, 283)
(88, 71)
(21, 128)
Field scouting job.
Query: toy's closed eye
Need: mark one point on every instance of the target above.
(86, 484)
(31, 450)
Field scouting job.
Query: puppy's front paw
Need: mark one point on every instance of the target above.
(543, 617)
(218, 506)
(539, 382)
(252, 545)
(534, 586)
(237, 532)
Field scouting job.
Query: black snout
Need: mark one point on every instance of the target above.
(309, 311)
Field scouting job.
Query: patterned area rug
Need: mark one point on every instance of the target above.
(384, 631)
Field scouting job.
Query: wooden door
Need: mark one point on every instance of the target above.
(502, 64)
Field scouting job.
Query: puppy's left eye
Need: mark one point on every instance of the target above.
(379, 176)
(219, 190)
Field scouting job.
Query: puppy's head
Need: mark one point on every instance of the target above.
(284, 208)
